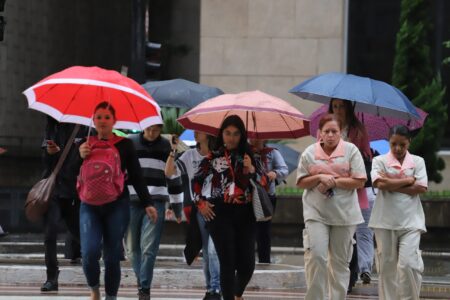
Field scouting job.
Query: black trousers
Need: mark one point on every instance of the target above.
(69, 211)
(233, 232)
(263, 236)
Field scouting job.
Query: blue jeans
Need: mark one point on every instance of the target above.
(364, 237)
(143, 240)
(103, 224)
(211, 266)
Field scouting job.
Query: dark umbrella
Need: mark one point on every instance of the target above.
(180, 93)
(290, 156)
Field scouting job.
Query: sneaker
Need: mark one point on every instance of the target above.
(366, 278)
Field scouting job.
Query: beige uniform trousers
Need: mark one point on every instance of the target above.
(328, 251)
(399, 263)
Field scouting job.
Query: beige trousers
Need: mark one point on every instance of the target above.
(328, 251)
(399, 264)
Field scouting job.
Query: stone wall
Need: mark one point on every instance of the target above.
(43, 37)
(270, 45)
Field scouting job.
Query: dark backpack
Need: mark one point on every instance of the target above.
(101, 179)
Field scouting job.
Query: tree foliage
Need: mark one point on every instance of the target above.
(414, 75)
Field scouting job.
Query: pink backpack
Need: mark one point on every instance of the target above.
(101, 179)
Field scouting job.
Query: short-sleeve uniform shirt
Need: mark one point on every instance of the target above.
(394, 210)
(342, 208)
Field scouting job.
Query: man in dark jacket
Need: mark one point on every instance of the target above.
(64, 203)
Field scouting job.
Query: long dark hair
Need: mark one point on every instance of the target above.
(350, 116)
(236, 121)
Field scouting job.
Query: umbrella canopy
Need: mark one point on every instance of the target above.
(369, 95)
(377, 126)
(180, 93)
(72, 95)
(265, 116)
(290, 155)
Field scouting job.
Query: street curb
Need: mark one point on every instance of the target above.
(264, 277)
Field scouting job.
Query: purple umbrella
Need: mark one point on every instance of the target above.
(377, 126)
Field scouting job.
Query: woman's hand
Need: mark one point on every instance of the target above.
(205, 209)
(152, 214)
(170, 215)
(327, 181)
(52, 148)
(272, 175)
(174, 142)
(248, 163)
(322, 188)
(85, 150)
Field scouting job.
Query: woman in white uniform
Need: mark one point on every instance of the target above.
(330, 171)
(397, 217)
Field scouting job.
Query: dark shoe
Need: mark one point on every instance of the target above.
(49, 286)
(75, 261)
(3, 234)
(144, 295)
(215, 295)
(366, 278)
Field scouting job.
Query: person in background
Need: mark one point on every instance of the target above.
(144, 237)
(64, 203)
(353, 131)
(398, 218)
(223, 195)
(330, 171)
(103, 225)
(275, 168)
(187, 164)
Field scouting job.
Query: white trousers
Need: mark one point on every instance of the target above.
(399, 264)
(328, 251)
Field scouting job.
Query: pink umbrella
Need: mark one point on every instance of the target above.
(265, 116)
(377, 126)
(72, 95)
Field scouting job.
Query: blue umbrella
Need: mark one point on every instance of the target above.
(369, 95)
(290, 156)
(180, 93)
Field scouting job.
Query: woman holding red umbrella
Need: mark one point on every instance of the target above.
(103, 223)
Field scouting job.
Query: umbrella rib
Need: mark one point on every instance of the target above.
(133, 111)
(287, 125)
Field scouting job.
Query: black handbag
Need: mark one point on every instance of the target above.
(262, 206)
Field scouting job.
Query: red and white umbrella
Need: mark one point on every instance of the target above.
(265, 116)
(72, 95)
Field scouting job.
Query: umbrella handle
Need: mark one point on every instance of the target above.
(89, 130)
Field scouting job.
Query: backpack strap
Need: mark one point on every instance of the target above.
(112, 141)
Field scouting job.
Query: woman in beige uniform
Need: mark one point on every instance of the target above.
(397, 217)
(330, 171)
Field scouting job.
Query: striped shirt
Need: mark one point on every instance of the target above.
(152, 157)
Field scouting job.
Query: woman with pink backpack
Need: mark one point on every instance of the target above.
(104, 210)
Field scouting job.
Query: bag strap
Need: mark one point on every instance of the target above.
(66, 150)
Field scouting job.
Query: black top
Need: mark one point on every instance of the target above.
(66, 179)
(130, 164)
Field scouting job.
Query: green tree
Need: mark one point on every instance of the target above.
(413, 74)
(170, 116)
